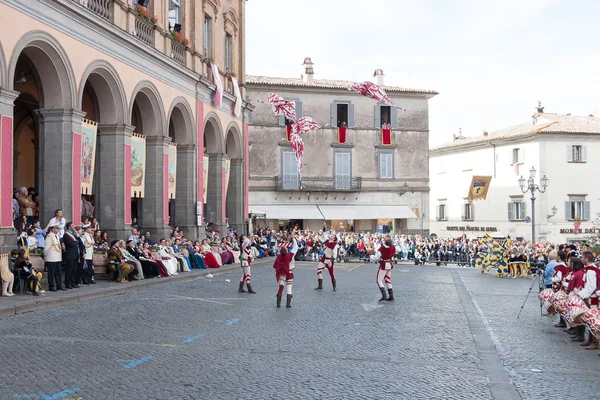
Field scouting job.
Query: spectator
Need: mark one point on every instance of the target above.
(26, 205)
(95, 224)
(58, 219)
(549, 271)
(26, 271)
(40, 234)
(135, 237)
(148, 240)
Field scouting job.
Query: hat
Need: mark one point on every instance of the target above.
(54, 225)
(85, 226)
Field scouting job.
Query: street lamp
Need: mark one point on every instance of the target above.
(530, 186)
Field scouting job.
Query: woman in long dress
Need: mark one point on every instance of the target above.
(196, 253)
(187, 266)
(169, 261)
(233, 247)
(161, 267)
(211, 259)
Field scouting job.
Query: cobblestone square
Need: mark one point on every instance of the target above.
(451, 334)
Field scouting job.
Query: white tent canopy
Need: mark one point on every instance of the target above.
(334, 212)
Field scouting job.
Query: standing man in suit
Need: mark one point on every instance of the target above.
(71, 255)
(53, 255)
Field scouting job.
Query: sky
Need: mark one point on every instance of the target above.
(490, 60)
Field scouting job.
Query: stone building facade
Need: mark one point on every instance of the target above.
(64, 61)
(359, 183)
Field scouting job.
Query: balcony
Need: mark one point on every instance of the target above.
(178, 52)
(319, 184)
(144, 30)
(100, 7)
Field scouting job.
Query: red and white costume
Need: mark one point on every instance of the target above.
(384, 255)
(284, 269)
(327, 259)
(246, 261)
(590, 285)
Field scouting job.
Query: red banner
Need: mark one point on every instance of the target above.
(342, 135)
(6, 170)
(76, 176)
(127, 184)
(386, 137)
(288, 133)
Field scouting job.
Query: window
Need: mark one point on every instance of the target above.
(291, 178)
(384, 115)
(467, 214)
(342, 114)
(516, 211)
(228, 65)
(174, 13)
(386, 165)
(576, 153)
(343, 177)
(442, 214)
(517, 156)
(207, 36)
(285, 121)
(577, 208)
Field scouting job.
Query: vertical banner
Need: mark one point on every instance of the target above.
(6, 170)
(205, 179)
(76, 176)
(89, 134)
(246, 170)
(479, 187)
(342, 135)
(127, 199)
(288, 133)
(217, 81)
(227, 166)
(138, 165)
(237, 107)
(223, 193)
(166, 188)
(201, 165)
(172, 169)
(386, 137)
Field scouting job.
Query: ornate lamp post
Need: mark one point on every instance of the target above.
(531, 186)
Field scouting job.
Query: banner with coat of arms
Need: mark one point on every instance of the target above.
(205, 180)
(227, 167)
(89, 134)
(138, 165)
(479, 187)
(172, 165)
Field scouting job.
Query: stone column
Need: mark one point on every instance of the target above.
(214, 203)
(7, 236)
(110, 173)
(235, 197)
(183, 207)
(56, 128)
(152, 217)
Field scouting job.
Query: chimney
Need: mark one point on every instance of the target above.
(485, 133)
(378, 74)
(539, 108)
(308, 70)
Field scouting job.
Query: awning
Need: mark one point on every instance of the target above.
(366, 212)
(331, 212)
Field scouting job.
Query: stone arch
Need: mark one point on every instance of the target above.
(233, 141)
(108, 88)
(147, 98)
(3, 71)
(180, 122)
(213, 134)
(53, 70)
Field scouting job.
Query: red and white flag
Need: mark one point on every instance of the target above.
(304, 125)
(371, 90)
(218, 83)
(298, 147)
(282, 107)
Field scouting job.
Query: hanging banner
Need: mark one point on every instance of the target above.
(172, 169)
(138, 165)
(479, 187)
(227, 166)
(386, 137)
(217, 81)
(89, 133)
(342, 135)
(237, 108)
(288, 133)
(205, 175)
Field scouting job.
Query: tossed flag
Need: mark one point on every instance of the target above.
(479, 187)
(282, 107)
(371, 90)
(298, 147)
(304, 125)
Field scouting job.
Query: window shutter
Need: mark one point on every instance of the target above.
(523, 209)
(583, 153)
(511, 212)
(568, 214)
(472, 210)
(350, 115)
(298, 109)
(281, 120)
(377, 116)
(394, 117)
(437, 212)
(333, 115)
(586, 210)
(521, 156)
(569, 153)
(464, 214)
(382, 173)
(391, 165)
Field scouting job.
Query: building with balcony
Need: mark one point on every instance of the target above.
(126, 111)
(356, 175)
(557, 146)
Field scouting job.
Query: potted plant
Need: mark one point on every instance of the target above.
(232, 74)
(179, 37)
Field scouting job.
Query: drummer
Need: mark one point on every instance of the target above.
(588, 293)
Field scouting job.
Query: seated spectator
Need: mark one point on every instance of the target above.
(8, 278)
(95, 224)
(150, 257)
(149, 266)
(177, 252)
(25, 270)
(168, 260)
(212, 259)
(138, 272)
(117, 263)
(148, 240)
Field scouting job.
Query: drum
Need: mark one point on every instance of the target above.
(545, 296)
(575, 308)
(592, 320)
(556, 298)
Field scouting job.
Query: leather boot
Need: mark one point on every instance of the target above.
(561, 323)
(241, 288)
(279, 295)
(391, 296)
(594, 345)
(571, 331)
(333, 284)
(320, 287)
(288, 302)
(383, 294)
(589, 341)
(580, 334)
(250, 288)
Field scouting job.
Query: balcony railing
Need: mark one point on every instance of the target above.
(100, 7)
(178, 52)
(339, 183)
(144, 30)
